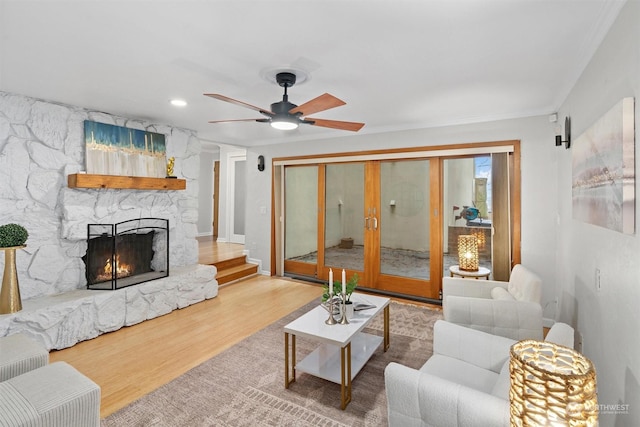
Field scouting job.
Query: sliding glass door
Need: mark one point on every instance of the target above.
(468, 208)
(404, 219)
(301, 224)
(476, 195)
(343, 225)
(376, 223)
(406, 254)
(395, 222)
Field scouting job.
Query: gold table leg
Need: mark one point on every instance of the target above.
(345, 385)
(287, 380)
(386, 328)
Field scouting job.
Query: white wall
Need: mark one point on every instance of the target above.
(258, 209)
(406, 224)
(608, 320)
(344, 182)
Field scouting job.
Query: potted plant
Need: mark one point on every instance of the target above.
(12, 237)
(351, 285)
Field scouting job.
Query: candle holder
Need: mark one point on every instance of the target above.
(331, 320)
(344, 320)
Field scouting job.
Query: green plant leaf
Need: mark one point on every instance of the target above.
(352, 283)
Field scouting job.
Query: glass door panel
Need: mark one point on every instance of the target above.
(404, 219)
(344, 204)
(301, 224)
(467, 208)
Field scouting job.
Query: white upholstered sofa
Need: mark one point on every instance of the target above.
(510, 309)
(465, 383)
(34, 393)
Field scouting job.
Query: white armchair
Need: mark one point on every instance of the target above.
(510, 309)
(465, 383)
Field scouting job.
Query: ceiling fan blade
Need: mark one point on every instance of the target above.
(336, 124)
(321, 103)
(240, 103)
(237, 120)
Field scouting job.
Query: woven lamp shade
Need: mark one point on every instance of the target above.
(482, 239)
(551, 385)
(468, 252)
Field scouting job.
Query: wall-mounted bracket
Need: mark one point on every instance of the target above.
(567, 134)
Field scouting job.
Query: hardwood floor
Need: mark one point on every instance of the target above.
(212, 251)
(135, 360)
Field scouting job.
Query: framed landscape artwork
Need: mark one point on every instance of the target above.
(116, 150)
(603, 179)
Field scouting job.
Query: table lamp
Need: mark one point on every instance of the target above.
(468, 252)
(551, 385)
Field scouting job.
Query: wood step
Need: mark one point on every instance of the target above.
(236, 272)
(231, 262)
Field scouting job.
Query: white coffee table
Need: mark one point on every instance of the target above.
(343, 349)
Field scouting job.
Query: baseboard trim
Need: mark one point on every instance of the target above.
(254, 261)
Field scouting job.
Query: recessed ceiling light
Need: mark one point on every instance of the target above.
(178, 102)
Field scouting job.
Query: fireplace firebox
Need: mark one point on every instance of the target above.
(126, 253)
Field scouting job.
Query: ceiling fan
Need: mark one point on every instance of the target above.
(286, 116)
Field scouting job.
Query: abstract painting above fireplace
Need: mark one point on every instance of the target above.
(117, 150)
(126, 253)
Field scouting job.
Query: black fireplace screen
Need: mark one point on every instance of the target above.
(126, 253)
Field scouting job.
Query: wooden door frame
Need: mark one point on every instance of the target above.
(372, 229)
(216, 198)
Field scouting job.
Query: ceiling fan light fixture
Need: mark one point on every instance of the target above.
(284, 115)
(284, 123)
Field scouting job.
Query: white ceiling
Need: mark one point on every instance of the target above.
(397, 64)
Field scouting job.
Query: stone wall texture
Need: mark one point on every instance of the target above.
(63, 320)
(41, 143)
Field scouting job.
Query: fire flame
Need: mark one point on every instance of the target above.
(122, 269)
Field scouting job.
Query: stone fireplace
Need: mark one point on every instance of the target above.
(41, 144)
(126, 253)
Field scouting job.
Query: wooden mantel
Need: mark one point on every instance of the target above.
(82, 180)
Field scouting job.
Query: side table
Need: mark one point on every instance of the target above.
(482, 272)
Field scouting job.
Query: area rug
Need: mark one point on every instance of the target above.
(244, 386)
